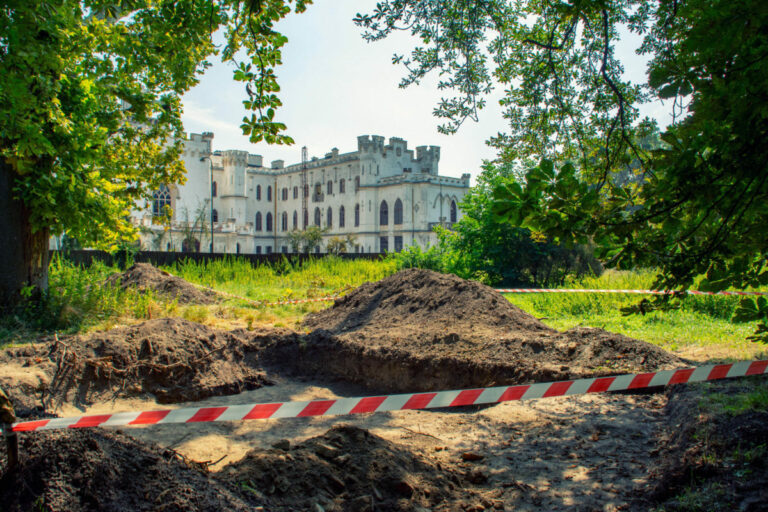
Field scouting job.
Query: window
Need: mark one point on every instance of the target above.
(318, 216)
(213, 189)
(285, 193)
(295, 192)
(258, 249)
(215, 216)
(258, 192)
(357, 215)
(383, 214)
(306, 190)
(398, 212)
(295, 219)
(329, 187)
(284, 221)
(357, 183)
(284, 249)
(398, 243)
(453, 211)
(257, 224)
(269, 222)
(329, 217)
(161, 202)
(269, 193)
(341, 186)
(383, 244)
(269, 249)
(237, 248)
(341, 216)
(306, 219)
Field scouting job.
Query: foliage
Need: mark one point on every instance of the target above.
(431, 258)
(340, 245)
(698, 204)
(91, 99)
(306, 240)
(193, 233)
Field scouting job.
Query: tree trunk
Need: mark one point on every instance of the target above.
(24, 252)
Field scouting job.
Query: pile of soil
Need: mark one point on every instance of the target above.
(143, 276)
(347, 469)
(94, 469)
(419, 329)
(173, 359)
(709, 454)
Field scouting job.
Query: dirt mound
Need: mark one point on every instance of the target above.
(347, 469)
(72, 471)
(419, 330)
(143, 276)
(174, 359)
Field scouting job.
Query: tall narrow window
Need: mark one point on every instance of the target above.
(383, 214)
(383, 244)
(341, 216)
(329, 187)
(213, 189)
(454, 213)
(341, 186)
(258, 192)
(357, 183)
(295, 219)
(306, 219)
(357, 215)
(269, 193)
(284, 221)
(285, 193)
(306, 190)
(257, 224)
(161, 201)
(318, 216)
(398, 212)
(329, 217)
(269, 222)
(295, 192)
(215, 215)
(398, 243)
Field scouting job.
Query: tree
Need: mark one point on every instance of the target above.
(306, 240)
(699, 205)
(91, 112)
(340, 245)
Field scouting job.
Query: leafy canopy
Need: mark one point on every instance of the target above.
(90, 98)
(692, 206)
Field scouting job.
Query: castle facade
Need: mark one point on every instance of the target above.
(381, 197)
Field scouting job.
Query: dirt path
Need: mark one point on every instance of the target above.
(575, 453)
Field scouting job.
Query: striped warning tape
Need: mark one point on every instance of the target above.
(399, 402)
(651, 292)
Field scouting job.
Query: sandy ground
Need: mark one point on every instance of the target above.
(584, 453)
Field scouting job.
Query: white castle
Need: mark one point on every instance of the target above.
(382, 197)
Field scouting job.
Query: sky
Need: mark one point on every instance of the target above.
(335, 86)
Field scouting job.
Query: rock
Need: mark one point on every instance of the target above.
(404, 488)
(471, 456)
(326, 451)
(282, 444)
(477, 476)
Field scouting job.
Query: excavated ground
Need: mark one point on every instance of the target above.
(173, 359)
(421, 330)
(144, 276)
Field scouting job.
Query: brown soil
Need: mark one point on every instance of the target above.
(143, 276)
(347, 469)
(421, 330)
(709, 455)
(104, 470)
(173, 359)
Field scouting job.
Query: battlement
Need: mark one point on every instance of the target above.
(255, 160)
(428, 154)
(367, 143)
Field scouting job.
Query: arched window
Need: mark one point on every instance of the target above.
(284, 220)
(285, 193)
(357, 215)
(258, 192)
(357, 183)
(341, 186)
(398, 212)
(330, 187)
(383, 214)
(161, 201)
(269, 222)
(318, 217)
(329, 217)
(453, 211)
(295, 192)
(269, 193)
(215, 215)
(295, 219)
(306, 219)
(341, 216)
(257, 224)
(213, 189)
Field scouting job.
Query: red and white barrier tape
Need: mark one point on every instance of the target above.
(427, 400)
(651, 292)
